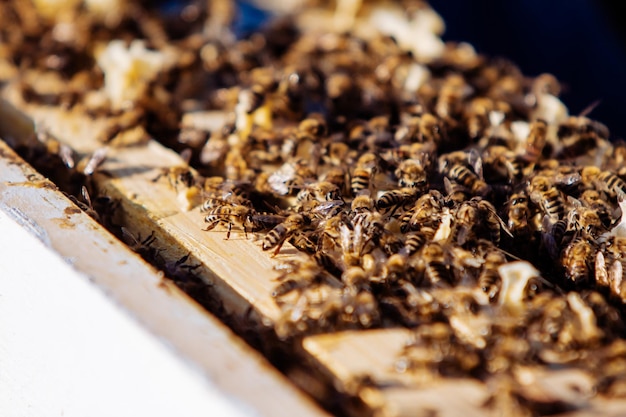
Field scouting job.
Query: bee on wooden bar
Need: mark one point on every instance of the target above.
(228, 215)
(279, 234)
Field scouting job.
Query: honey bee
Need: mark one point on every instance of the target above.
(363, 174)
(604, 181)
(554, 235)
(144, 247)
(451, 95)
(536, 140)
(320, 191)
(339, 177)
(229, 215)
(426, 212)
(436, 270)
(431, 128)
(475, 217)
(489, 277)
(358, 236)
(578, 135)
(612, 276)
(518, 214)
(395, 199)
(412, 174)
(455, 192)
(547, 197)
(462, 174)
(414, 241)
(597, 201)
(291, 176)
(300, 141)
(577, 259)
(279, 234)
(584, 220)
(177, 175)
(297, 276)
(390, 243)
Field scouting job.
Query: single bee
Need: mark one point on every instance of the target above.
(229, 215)
(390, 243)
(362, 204)
(436, 270)
(579, 135)
(519, 214)
(431, 128)
(427, 211)
(363, 174)
(549, 198)
(604, 181)
(279, 234)
(414, 241)
(177, 175)
(321, 191)
(303, 243)
(395, 199)
(536, 140)
(455, 192)
(462, 174)
(584, 220)
(612, 276)
(302, 138)
(489, 277)
(577, 259)
(339, 177)
(411, 173)
(450, 100)
(598, 202)
(475, 218)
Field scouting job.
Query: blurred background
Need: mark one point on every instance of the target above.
(581, 42)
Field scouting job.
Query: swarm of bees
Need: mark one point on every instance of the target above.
(446, 193)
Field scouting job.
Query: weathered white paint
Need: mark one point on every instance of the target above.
(67, 350)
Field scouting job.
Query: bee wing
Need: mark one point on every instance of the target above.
(85, 194)
(67, 155)
(616, 274)
(602, 276)
(567, 180)
(95, 161)
(186, 154)
(548, 239)
(328, 209)
(476, 162)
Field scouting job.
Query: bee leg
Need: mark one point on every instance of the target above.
(280, 245)
(230, 226)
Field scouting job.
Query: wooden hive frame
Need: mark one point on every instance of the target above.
(357, 364)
